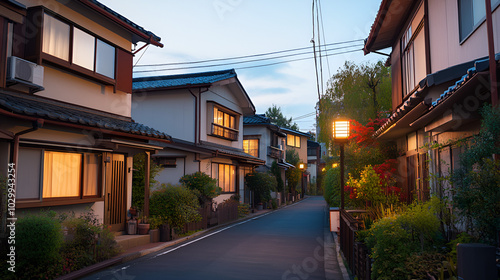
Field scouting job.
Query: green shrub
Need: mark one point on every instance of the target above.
(243, 210)
(177, 204)
(390, 246)
(421, 223)
(331, 185)
(421, 265)
(38, 242)
(86, 241)
(476, 182)
(276, 171)
(205, 185)
(261, 184)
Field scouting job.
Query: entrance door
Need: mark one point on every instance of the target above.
(115, 201)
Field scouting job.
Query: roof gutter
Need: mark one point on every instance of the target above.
(37, 123)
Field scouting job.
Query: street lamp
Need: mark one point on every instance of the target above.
(302, 168)
(341, 131)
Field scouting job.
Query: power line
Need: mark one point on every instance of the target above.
(245, 56)
(247, 61)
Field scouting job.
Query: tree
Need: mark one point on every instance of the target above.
(261, 184)
(138, 179)
(292, 174)
(359, 92)
(274, 113)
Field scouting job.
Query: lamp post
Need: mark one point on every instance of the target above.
(341, 131)
(302, 167)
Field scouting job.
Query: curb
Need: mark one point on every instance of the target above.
(135, 255)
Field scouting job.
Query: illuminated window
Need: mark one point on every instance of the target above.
(293, 140)
(70, 174)
(251, 147)
(224, 125)
(226, 176)
(87, 51)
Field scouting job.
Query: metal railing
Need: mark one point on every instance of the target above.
(224, 132)
(355, 253)
(274, 152)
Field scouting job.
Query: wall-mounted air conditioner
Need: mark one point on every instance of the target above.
(24, 72)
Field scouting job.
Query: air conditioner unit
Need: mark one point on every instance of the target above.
(24, 72)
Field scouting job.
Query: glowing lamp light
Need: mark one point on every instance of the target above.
(335, 165)
(341, 130)
(301, 166)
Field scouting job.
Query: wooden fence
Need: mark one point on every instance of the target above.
(355, 253)
(225, 212)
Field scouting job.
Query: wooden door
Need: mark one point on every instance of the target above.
(115, 200)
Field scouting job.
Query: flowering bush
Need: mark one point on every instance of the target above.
(376, 185)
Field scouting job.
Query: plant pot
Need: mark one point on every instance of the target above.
(154, 235)
(132, 227)
(142, 229)
(165, 233)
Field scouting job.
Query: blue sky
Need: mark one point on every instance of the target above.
(194, 30)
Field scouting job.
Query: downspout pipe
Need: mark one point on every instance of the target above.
(15, 149)
(491, 54)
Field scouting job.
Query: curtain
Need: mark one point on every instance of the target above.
(61, 174)
(55, 37)
(91, 174)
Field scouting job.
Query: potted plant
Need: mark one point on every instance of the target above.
(154, 229)
(143, 226)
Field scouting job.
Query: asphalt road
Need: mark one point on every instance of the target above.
(284, 244)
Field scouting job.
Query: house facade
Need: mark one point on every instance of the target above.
(266, 141)
(65, 107)
(203, 113)
(440, 64)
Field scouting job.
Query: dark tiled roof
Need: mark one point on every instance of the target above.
(125, 20)
(431, 79)
(287, 130)
(229, 151)
(256, 119)
(37, 107)
(204, 78)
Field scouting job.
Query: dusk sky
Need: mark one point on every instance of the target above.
(195, 30)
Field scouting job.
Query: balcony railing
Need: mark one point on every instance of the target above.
(224, 132)
(275, 152)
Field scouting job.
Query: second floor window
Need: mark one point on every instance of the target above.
(251, 147)
(471, 14)
(226, 176)
(413, 55)
(224, 125)
(293, 140)
(61, 39)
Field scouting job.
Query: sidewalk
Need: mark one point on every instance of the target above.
(137, 252)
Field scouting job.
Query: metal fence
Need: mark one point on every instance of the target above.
(355, 253)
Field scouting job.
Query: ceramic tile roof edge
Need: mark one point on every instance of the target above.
(187, 75)
(295, 131)
(124, 20)
(406, 106)
(82, 120)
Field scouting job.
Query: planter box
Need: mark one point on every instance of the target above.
(142, 229)
(154, 235)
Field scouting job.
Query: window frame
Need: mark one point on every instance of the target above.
(295, 138)
(248, 150)
(221, 130)
(216, 172)
(408, 58)
(474, 27)
(80, 198)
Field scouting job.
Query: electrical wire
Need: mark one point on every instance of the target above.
(247, 61)
(245, 56)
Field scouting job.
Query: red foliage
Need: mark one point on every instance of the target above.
(362, 134)
(387, 172)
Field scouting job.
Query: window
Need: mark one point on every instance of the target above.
(293, 140)
(86, 50)
(251, 147)
(226, 176)
(70, 174)
(413, 56)
(471, 14)
(224, 125)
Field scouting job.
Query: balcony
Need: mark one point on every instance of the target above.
(275, 152)
(224, 132)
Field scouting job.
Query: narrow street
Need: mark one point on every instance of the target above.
(284, 244)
